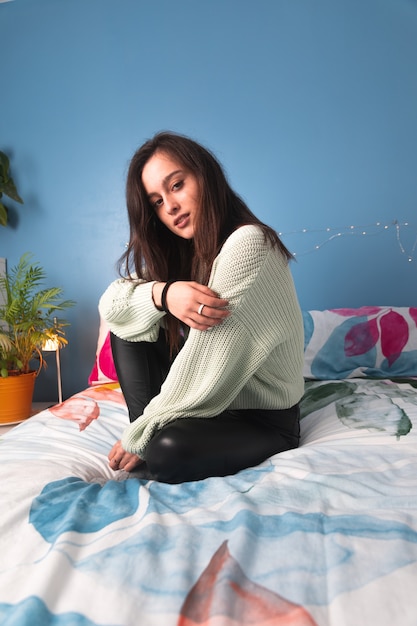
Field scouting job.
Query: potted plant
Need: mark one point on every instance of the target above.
(7, 187)
(28, 318)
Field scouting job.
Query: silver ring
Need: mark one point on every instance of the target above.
(200, 309)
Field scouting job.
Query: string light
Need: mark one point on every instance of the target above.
(356, 231)
(410, 255)
(352, 230)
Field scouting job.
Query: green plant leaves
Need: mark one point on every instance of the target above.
(3, 214)
(28, 317)
(7, 187)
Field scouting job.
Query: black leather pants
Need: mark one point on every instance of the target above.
(195, 448)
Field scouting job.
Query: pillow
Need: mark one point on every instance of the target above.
(374, 342)
(103, 370)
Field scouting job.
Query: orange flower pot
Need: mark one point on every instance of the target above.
(16, 393)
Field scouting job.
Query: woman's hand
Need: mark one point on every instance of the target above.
(119, 459)
(196, 305)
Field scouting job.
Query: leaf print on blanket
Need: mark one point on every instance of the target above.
(373, 413)
(39, 614)
(72, 505)
(317, 397)
(224, 591)
(375, 405)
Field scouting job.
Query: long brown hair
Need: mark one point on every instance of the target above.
(153, 251)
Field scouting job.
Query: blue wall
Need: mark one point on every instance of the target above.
(311, 105)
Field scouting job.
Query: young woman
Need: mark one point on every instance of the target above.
(207, 333)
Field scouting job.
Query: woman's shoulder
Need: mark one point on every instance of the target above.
(248, 233)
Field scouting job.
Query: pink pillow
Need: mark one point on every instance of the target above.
(103, 370)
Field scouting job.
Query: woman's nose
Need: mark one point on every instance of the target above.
(171, 205)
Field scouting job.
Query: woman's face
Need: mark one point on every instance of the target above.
(173, 192)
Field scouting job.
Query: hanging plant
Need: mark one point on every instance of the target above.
(7, 187)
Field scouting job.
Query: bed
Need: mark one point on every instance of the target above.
(318, 536)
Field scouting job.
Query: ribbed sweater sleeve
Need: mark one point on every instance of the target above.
(218, 366)
(128, 308)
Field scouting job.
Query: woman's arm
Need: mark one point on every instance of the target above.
(132, 309)
(184, 300)
(129, 310)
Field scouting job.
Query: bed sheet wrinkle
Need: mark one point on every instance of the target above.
(69, 451)
(351, 486)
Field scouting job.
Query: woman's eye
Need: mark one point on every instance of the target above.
(157, 203)
(178, 185)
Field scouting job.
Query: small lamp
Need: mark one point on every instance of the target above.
(53, 344)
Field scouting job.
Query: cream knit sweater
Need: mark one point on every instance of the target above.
(253, 359)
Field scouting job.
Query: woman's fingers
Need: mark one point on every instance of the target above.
(115, 452)
(207, 297)
(196, 305)
(120, 459)
(210, 311)
(131, 463)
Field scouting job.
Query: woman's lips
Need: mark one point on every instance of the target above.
(182, 221)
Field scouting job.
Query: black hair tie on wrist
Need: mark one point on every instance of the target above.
(164, 295)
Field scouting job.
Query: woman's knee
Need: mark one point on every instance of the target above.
(167, 455)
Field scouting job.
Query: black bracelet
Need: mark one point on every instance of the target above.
(164, 295)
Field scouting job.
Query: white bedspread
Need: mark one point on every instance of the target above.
(322, 535)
